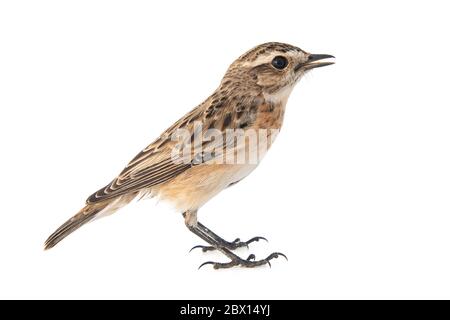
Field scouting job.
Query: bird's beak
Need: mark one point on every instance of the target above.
(313, 61)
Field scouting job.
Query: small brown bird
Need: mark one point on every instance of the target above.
(214, 146)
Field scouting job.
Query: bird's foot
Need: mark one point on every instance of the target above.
(250, 262)
(230, 245)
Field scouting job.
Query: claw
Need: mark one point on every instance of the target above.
(195, 247)
(256, 239)
(205, 263)
(276, 254)
(251, 257)
(204, 248)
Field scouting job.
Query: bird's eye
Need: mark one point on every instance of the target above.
(279, 62)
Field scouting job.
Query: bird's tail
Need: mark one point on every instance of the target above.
(85, 215)
(88, 213)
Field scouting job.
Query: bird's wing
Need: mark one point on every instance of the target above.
(156, 164)
(152, 166)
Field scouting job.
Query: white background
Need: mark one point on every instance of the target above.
(355, 191)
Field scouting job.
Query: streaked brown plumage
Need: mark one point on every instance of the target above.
(252, 96)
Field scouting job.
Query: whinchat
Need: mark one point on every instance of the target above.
(212, 147)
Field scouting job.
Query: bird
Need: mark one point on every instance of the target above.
(189, 163)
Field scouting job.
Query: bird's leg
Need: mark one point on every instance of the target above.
(237, 243)
(210, 237)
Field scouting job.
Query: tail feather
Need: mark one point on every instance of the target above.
(88, 213)
(84, 216)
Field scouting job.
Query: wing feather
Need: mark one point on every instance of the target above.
(154, 165)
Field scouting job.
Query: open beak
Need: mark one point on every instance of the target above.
(314, 61)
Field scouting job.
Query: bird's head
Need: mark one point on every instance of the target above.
(273, 67)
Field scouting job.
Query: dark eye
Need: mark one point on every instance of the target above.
(279, 62)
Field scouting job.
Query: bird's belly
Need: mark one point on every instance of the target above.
(193, 188)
